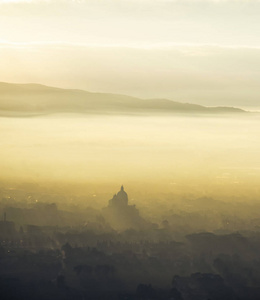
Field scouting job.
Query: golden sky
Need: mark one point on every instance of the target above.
(185, 50)
(132, 22)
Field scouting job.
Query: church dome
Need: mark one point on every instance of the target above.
(122, 196)
(120, 199)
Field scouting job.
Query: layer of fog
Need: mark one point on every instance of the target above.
(168, 150)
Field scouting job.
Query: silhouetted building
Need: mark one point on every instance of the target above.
(122, 216)
(120, 199)
(34, 230)
(7, 228)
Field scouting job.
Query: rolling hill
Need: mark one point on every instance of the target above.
(40, 99)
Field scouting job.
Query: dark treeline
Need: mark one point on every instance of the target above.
(116, 253)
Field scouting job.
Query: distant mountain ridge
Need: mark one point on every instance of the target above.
(37, 98)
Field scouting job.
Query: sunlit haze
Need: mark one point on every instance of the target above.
(203, 52)
(130, 149)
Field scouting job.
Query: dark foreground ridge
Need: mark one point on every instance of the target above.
(114, 254)
(39, 99)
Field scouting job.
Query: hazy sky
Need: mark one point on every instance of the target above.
(132, 22)
(188, 50)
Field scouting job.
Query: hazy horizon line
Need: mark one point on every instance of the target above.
(6, 43)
